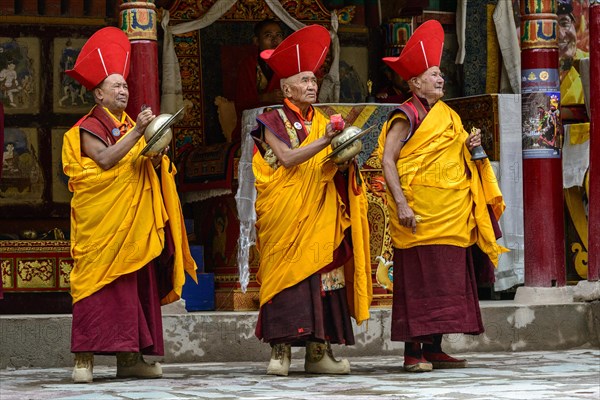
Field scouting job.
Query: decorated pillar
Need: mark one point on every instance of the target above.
(542, 142)
(138, 21)
(594, 171)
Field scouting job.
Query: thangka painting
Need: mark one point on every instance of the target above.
(22, 180)
(20, 75)
(59, 181)
(69, 96)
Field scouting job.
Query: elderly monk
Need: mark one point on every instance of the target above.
(313, 236)
(128, 240)
(438, 202)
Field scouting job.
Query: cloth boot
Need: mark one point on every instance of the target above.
(435, 355)
(132, 365)
(84, 367)
(319, 360)
(414, 360)
(281, 357)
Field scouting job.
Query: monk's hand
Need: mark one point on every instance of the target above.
(344, 166)
(474, 138)
(143, 119)
(330, 132)
(156, 160)
(406, 216)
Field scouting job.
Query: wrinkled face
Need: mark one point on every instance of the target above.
(301, 88)
(567, 36)
(113, 93)
(269, 37)
(430, 84)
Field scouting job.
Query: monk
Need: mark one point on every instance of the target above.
(128, 240)
(313, 237)
(438, 205)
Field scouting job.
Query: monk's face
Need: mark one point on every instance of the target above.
(567, 37)
(269, 37)
(113, 93)
(429, 85)
(301, 89)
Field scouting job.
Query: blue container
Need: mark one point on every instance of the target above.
(200, 297)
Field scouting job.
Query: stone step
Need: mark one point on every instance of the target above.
(210, 336)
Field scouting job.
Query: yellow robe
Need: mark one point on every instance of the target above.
(118, 218)
(300, 222)
(433, 175)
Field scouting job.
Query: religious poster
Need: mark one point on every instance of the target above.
(59, 181)
(20, 75)
(69, 96)
(22, 180)
(542, 131)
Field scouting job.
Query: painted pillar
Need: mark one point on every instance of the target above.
(594, 171)
(138, 21)
(542, 139)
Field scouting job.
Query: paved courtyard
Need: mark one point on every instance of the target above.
(565, 374)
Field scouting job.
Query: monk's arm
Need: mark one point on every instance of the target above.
(391, 153)
(292, 157)
(108, 156)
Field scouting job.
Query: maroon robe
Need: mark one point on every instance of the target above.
(125, 315)
(435, 286)
(304, 312)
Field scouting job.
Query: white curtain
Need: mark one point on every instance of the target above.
(172, 96)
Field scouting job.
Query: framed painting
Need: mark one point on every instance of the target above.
(68, 95)
(59, 181)
(22, 180)
(20, 75)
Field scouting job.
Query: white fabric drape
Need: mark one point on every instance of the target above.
(508, 41)
(511, 266)
(461, 25)
(172, 95)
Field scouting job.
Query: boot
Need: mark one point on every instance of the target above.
(132, 365)
(436, 356)
(414, 360)
(84, 367)
(319, 360)
(281, 357)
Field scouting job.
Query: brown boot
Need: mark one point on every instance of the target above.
(132, 365)
(84, 368)
(319, 360)
(281, 357)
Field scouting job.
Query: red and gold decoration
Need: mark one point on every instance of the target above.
(542, 169)
(35, 265)
(138, 21)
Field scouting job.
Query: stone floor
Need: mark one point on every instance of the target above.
(565, 374)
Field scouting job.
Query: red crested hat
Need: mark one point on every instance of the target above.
(107, 52)
(304, 50)
(422, 51)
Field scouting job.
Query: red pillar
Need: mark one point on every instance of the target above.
(541, 128)
(594, 171)
(138, 21)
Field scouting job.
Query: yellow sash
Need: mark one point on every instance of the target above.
(300, 222)
(118, 218)
(433, 174)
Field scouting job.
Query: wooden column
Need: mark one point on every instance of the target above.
(594, 171)
(138, 21)
(542, 137)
